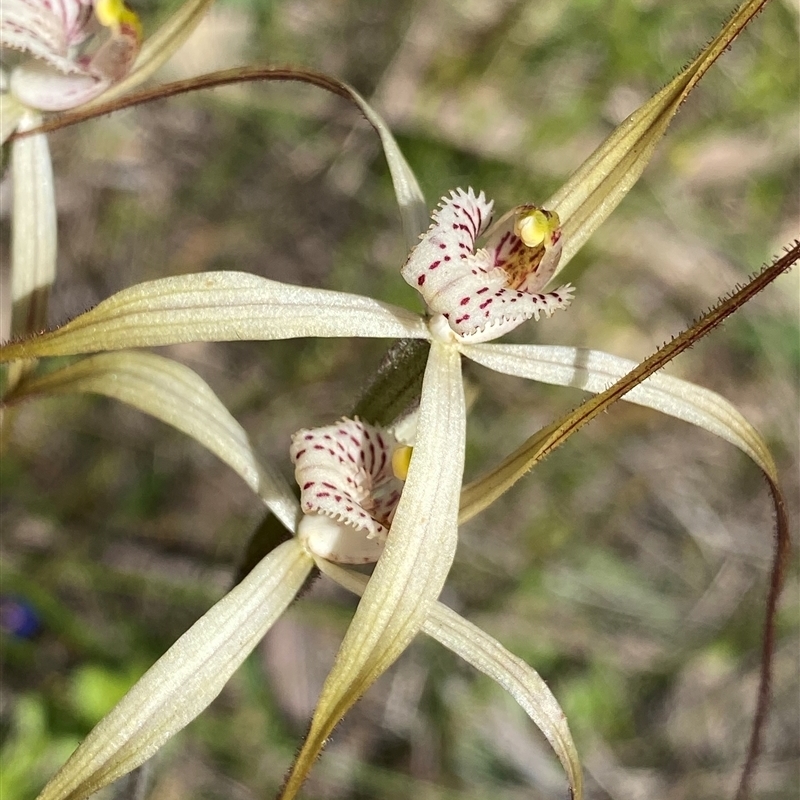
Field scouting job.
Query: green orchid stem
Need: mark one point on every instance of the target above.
(394, 389)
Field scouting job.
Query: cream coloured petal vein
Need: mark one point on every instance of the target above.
(33, 244)
(416, 559)
(594, 371)
(183, 682)
(487, 655)
(218, 306)
(176, 395)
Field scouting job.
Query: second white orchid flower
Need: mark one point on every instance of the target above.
(69, 54)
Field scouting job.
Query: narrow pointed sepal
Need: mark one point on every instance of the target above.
(33, 244)
(176, 395)
(418, 554)
(520, 680)
(598, 186)
(594, 371)
(218, 306)
(488, 656)
(185, 679)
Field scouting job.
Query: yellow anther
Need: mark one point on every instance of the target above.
(116, 15)
(536, 226)
(401, 458)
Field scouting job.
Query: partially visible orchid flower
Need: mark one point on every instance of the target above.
(70, 53)
(56, 76)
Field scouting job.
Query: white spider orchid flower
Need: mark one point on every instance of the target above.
(413, 538)
(486, 292)
(69, 53)
(420, 533)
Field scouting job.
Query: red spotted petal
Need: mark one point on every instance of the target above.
(345, 473)
(487, 292)
(46, 30)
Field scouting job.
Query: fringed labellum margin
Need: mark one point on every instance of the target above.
(350, 476)
(486, 292)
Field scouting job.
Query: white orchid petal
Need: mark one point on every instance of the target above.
(414, 565)
(488, 656)
(44, 87)
(176, 395)
(36, 28)
(484, 293)
(594, 371)
(449, 241)
(345, 474)
(184, 681)
(33, 244)
(218, 306)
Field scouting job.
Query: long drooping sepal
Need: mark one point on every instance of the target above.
(488, 656)
(593, 371)
(185, 679)
(218, 306)
(413, 209)
(596, 188)
(414, 565)
(485, 490)
(521, 681)
(176, 395)
(33, 243)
